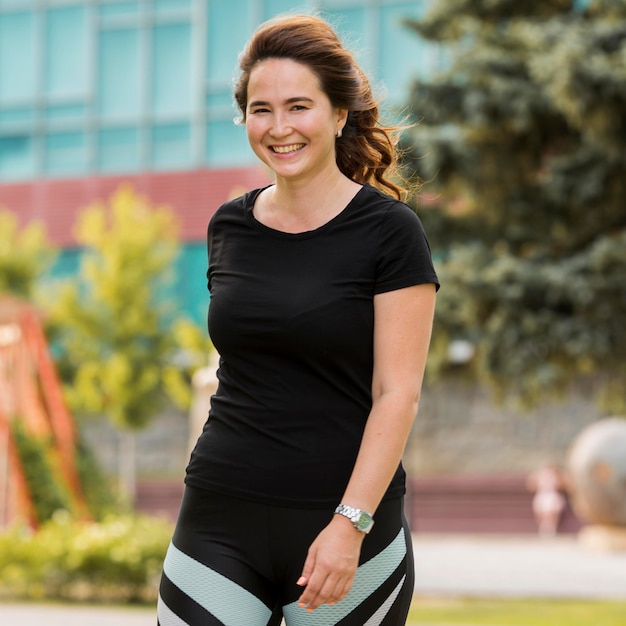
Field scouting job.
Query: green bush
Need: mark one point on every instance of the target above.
(116, 560)
(47, 492)
(95, 485)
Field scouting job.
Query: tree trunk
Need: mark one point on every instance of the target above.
(127, 467)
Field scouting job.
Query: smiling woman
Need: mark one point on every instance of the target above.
(322, 297)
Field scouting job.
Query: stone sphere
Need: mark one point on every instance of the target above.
(597, 468)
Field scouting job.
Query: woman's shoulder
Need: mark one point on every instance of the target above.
(387, 207)
(235, 208)
(240, 202)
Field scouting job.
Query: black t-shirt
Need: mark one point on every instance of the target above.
(292, 316)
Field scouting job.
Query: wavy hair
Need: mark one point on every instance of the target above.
(366, 152)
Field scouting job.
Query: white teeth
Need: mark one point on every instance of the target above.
(287, 149)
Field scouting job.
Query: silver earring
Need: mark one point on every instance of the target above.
(338, 133)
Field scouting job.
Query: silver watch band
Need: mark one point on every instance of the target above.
(362, 520)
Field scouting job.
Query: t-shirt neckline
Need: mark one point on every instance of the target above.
(307, 234)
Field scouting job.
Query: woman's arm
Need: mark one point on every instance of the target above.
(402, 329)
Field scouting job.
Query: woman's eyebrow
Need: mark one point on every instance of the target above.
(257, 103)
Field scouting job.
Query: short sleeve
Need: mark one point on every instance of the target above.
(403, 253)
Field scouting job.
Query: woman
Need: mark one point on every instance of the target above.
(322, 298)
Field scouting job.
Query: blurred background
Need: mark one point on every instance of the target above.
(117, 144)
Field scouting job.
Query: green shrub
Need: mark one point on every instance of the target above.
(47, 492)
(116, 560)
(95, 485)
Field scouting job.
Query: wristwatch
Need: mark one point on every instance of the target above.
(362, 521)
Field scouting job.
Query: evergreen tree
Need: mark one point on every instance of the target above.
(522, 144)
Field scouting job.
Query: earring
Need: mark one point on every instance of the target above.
(338, 133)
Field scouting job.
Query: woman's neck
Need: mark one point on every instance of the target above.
(296, 206)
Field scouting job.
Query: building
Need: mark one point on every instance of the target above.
(96, 92)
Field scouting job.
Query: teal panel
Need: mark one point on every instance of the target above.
(221, 99)
(171, 146)
(17, 157)
(277, 7)
(19, 116)
(74, 112)
(190, 290)
(227, 145)
(65, 153)
(118, 150)
(350, 25)
(65, 59)
(66, 264)
(119, 76)
(227, 35)
(419, 58)
(168, 6)
(119, 9)
(171, 69)
(17, 56)
(18, 4)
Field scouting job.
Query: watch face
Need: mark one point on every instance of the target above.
(364, 522)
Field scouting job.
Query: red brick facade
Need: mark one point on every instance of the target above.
(192, 195)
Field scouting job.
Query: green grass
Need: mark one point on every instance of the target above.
(532, 612)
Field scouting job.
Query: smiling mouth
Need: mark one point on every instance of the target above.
(287, 149)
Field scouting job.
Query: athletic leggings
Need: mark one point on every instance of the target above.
(235, 563)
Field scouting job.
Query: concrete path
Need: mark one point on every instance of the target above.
(516, 567)
(445, 565)
(71, 615)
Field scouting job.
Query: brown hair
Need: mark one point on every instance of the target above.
(366, 152)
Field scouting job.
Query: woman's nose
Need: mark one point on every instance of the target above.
(280, 126)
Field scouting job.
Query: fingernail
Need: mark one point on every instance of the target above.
(301, 581)
(301, 605)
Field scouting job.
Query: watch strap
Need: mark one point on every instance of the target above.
(362, 520)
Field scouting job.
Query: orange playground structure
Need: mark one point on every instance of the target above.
(30, 391)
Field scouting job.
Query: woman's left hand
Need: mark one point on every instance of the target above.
(331, 564)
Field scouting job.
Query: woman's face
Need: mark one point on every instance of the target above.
(290, 122)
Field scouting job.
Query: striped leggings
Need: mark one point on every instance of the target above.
(235, 563)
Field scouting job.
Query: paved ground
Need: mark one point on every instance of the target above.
(445, 565)
(516, 567)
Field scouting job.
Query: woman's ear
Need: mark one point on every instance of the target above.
(342, 118)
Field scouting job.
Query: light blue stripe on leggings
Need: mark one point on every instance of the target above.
(228, 602)
(369, 577)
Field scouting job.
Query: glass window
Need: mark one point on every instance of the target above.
(66, 112)
(17, 157)
(397, 41)
(119, 76)
(65, 59)
(17, 117)
(171, 69)
(276, 7)
(167, 6)
(21, 4)
(221, 99)
(65, 153)
(227, 35)
(119, 9)
(17, 56)
(171, 146)
(227, 145)
(350, 24)
(118, 150)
